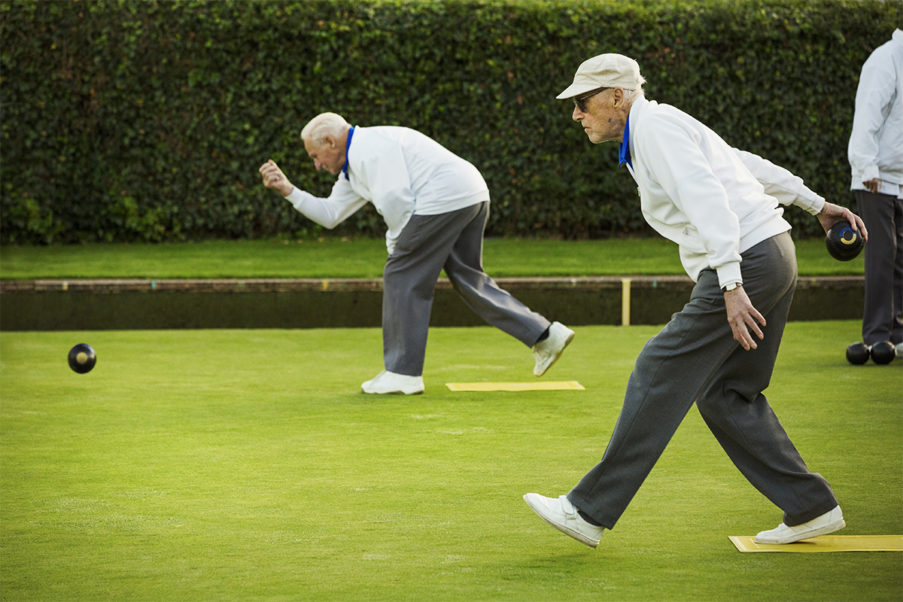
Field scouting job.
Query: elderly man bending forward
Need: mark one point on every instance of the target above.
(435, 205)
(721, 206)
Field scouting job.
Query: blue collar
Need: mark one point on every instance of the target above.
(347, 146)
(624, 147)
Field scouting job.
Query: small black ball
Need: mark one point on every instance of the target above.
(858, 353)
(883, 352)
(82, 358)
(843, 242)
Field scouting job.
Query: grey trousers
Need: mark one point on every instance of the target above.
(696, 358)
(881, 313)
(429, 243)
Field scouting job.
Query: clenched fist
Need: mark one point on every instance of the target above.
(274, 179)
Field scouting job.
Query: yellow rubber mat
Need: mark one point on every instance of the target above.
(826, 543)
(540, 385)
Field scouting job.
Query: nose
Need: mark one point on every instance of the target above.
(577, 114)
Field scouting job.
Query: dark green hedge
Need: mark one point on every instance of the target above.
(147, 120)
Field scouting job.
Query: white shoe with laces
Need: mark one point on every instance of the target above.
(548, 351)
(820, 525)
(562, 514)
(390, 382)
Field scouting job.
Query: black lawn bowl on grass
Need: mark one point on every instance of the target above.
(883, 352)
(82, 358)
(858, 354)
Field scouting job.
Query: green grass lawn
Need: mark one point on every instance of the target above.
(362, 258)
(245, 464)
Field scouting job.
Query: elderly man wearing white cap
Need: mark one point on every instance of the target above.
(721, 206)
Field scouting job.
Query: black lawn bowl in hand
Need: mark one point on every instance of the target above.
(82, 358)
(883, 352)
(858, 353)
(843, 242)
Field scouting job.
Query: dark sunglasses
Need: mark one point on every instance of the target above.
(580, 101)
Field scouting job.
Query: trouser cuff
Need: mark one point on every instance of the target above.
(798, 519)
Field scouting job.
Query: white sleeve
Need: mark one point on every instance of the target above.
(329, 212)
(873, 97)
(787, 188)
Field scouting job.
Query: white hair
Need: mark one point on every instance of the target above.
(323, 125)
(631, 93)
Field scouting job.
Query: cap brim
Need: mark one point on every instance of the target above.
(576, 89)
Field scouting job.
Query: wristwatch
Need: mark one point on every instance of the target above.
(731, 286)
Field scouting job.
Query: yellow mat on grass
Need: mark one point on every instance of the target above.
(540, 385)
(826, 543)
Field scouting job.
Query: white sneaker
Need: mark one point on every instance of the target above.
(390, 382)
(561, 514)
(898, 350)
(548, 351)
(822, 525)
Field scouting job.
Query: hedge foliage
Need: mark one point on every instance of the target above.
(146, 120)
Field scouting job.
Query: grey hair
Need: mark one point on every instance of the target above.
(323, 125)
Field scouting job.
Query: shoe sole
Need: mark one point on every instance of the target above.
(567, 342)
(398, 392)
(570, 532)
(829, 528)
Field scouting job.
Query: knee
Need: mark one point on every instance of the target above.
(707, 404)
(723, 397)
(465, 279)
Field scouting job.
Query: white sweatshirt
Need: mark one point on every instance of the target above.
(403, 173)
(713, 200)
(876, 142)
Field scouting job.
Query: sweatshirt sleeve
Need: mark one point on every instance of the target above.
(329, 212)
(778, 182)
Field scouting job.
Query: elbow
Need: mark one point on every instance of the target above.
(330, 221)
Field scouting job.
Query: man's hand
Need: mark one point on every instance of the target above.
(743, 318)
(831, 214)
(871, 185)
(274, 179)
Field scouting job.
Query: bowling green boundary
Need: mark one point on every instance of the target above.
(334, 282)
(137, 303)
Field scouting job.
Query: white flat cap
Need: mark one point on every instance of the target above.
(605, 71)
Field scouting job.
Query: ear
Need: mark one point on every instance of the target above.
(329, 141)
